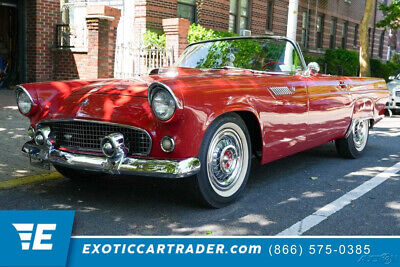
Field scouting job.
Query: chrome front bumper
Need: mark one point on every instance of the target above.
(393, 104)
(127, 165)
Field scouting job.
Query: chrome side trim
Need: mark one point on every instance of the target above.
(155, 84)
(104, 122)
(129, 166)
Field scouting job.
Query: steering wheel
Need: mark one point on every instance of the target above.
(272, 63)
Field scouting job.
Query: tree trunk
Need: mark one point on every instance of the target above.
(365, 69)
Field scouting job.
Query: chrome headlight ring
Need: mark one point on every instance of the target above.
(24, 100)
(163, 101)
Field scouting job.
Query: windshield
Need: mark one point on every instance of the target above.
(261, 54)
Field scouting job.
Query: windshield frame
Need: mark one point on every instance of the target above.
(282, 38)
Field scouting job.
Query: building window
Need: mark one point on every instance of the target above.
(320, 31)
(332, 40)
(270, 12)
(239, 15)
(304, 28)
(344, 34)
(187, 10)
(356, 30)
(381, 44)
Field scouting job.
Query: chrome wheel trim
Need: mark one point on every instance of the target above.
(227, 159)
(360, 134)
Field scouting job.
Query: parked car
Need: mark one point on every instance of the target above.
(222, 102)
(393, 104)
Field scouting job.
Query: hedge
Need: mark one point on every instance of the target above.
(346, 62)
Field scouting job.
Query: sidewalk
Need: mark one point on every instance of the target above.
(13, 127)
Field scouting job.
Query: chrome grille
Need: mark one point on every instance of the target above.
(87, 135)
(282, 90)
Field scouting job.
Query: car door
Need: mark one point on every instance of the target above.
(330, 106)
(285, 118)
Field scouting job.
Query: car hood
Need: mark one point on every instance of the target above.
(128, 87)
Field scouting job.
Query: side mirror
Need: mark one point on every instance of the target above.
(391, 78)
(313, 67)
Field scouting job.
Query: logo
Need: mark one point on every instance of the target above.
(25, 231)
(35, 237)
(84, 103)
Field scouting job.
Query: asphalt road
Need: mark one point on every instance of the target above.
(277, 196)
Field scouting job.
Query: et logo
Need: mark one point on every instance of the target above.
(25, 231)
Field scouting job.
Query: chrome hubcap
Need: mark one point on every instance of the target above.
(225, 159)
(360, 134)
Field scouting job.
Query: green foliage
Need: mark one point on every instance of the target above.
(152, 38)
(392, 15)
(342, 62)
(196, 33)
(199, 33)
(319, 60)
(380, 70)
(395, 58)
(265, 55)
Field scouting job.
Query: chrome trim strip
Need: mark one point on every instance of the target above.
(155, 84)
(21, 88)
(129, 166)
(104, 122)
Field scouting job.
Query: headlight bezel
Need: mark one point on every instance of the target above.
(157, 88)
(22, 92)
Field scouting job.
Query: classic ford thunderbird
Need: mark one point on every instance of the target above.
(223, 102)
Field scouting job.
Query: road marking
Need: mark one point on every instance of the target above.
(323, 213)
(29, 179)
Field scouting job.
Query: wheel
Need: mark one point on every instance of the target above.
(388, 112)
(354, 144)
(225, 157)
(77, 175)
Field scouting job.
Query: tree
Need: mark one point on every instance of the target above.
(392, 15)
(365, 69)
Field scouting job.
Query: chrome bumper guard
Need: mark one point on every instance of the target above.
(127, 165)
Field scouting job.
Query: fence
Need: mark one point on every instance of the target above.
(131, 60)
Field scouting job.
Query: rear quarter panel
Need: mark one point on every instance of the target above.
(369, 96)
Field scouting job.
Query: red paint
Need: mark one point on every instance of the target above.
(319, 111)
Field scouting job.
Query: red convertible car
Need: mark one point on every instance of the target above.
(223, 102)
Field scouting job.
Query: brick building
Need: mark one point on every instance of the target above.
(322, 24)
(32, 30)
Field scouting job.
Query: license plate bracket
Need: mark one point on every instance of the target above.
(39, 163)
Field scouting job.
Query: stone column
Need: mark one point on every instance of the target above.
(176, 33)
(102, 22)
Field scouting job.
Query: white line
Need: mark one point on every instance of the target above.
(307, 223)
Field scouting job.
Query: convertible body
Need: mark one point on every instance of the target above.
(283, 113)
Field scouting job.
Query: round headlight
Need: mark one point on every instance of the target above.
(163, 105)
(24, 102)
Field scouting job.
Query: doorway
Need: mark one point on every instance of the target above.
(10, 55)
